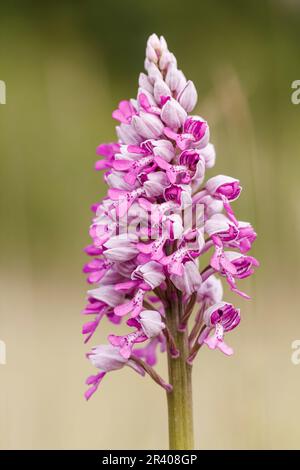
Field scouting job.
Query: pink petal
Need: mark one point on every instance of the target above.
(123, 309)
(125, 285)
(211, 342)
(224, 348)
(122, 165)
(119, 116)
(125, 351)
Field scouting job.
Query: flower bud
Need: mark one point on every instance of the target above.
(151, 273)
(147, 103)
(151, 323)
(147, 125)
(155, 184)
(209, 154)
(190, 281)
(188, 96)
(173, 114)
(155, 48)
(175, 79)
(121, 247)
(164, 149)
(161, 89)
(211, 291)
(153, 72)
(167, 58)
(127, 134)
(107, 295)
(144, 83)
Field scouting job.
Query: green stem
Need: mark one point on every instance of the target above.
(180, 407)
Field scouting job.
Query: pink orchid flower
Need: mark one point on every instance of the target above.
(221, 317)
(153, 231)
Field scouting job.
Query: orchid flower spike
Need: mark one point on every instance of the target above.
(150, 233)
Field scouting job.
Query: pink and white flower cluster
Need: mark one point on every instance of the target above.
(154, 172)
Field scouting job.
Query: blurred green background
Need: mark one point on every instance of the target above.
(66, 65)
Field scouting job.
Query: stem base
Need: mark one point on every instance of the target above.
(180, 407)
